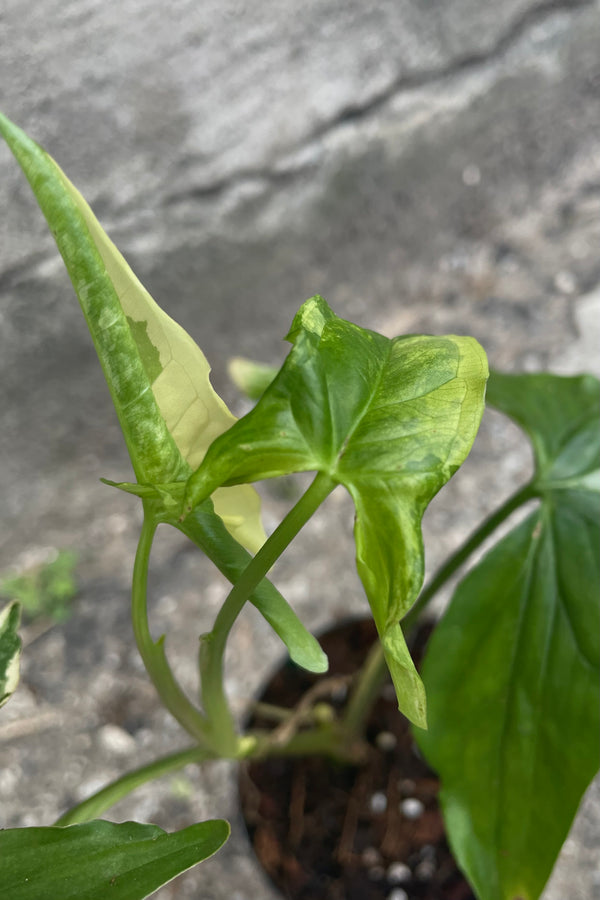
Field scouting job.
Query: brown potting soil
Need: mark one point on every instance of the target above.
(328, 831)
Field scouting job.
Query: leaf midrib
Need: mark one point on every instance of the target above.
(503, 747)
(587, 663)
(340, 453)
(548, 514)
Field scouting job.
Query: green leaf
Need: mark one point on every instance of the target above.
(100, 859)
(47, 589)
(391, 420)
(560, 416)
(512, 670)
(159, 381)
(10, 650)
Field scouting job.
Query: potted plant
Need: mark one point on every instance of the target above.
(510, 669)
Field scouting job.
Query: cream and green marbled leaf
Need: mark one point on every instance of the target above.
(159, 381)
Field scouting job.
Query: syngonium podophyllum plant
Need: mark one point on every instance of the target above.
(507, 708)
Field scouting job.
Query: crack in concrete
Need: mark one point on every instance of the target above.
(268, 176)
(281, 174)
(517, 29)
(274, 176)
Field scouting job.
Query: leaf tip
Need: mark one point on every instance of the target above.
(313, 659)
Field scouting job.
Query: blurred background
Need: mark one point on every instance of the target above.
(426, 165)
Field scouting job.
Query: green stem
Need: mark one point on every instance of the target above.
(330, 740)
(212, 649)
(271, 712)
(152, 653)
(102, 800)
(373, 673)
(314, 742)
(368, 683)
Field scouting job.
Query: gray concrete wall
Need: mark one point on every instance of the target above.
(425, 166)
(421, 165)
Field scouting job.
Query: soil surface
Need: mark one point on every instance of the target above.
(326, 831)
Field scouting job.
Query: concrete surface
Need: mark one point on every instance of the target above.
(425, 166)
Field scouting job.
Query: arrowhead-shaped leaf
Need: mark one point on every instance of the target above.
(512, 670)
(100, 859)
(158, 378)
(10, 650)
(391, 420)
(157, 375)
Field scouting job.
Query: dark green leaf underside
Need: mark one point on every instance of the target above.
(512, 670)
(511, 676)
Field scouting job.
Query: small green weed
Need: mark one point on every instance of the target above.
(45, 590)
